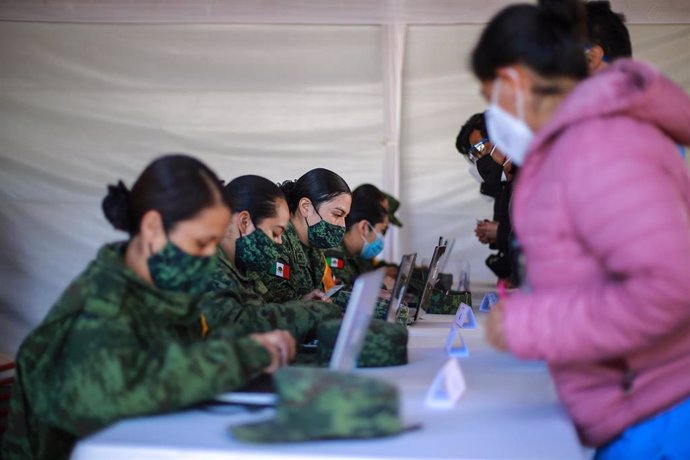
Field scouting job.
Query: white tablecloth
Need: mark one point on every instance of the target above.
(509, 411)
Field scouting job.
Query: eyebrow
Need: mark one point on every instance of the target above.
(340, 209)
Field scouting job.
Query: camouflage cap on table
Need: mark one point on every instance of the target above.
(447, 304)
(384, 345)
(322, 404)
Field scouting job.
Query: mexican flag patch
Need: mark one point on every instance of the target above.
(334, 262)
(281, 270)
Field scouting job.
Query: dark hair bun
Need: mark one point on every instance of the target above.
(116, 207)
(287, 187)
(567, 14)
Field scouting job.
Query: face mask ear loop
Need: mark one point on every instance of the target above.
(491, 154)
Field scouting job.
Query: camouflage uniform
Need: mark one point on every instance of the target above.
(305, 269)
(112, 347)
(236, 300)
(344, 266)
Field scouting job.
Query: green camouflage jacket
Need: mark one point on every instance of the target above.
(234, 299)
(114, 347)
(298, 272)
(345, 267)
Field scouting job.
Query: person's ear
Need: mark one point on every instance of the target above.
(363, 227)
(304, 207)
(152, 232)
(595, 57)
(244, 220)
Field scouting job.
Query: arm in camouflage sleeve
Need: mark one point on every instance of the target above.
(300, 318)
(109, 372)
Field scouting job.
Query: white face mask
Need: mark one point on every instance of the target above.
(511, 134)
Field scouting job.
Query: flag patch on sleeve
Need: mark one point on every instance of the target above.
(281, 270)
(335, 262)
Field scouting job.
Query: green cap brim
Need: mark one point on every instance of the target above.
(270, 431)
(394, 221)
(274, 432)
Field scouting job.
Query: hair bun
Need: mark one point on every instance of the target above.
(287, 187)
(116, 207)
(569, 14)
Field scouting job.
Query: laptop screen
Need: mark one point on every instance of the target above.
(400, 287)
(431, 278)
(359, 311)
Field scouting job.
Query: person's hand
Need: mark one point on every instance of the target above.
(280, 345)
(316, 294)
(388, 282)
(385, 295)
(495, 333)
(487, 231)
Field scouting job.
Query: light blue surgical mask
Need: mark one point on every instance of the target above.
(372, 248)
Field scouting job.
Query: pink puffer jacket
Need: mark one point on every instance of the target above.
(602, 210)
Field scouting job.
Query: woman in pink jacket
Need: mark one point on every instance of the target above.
(602, 211)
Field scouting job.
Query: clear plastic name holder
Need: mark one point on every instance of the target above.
(448, 386)
(488, 301)
(464, 319)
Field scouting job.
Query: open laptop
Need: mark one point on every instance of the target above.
(348, 344)
(400, 287)
(431, 278)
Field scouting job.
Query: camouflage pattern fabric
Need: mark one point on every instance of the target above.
(342, 297)
(306, 270)
(172, 269)
(321, 404)
(343, 265)
(256, 250)
(235, 300)
(447, 304)
(114, 347)
(324, 235)
(385, 344)
(393, 205)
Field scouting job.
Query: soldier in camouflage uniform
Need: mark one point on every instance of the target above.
(259, 217)
(365, 225)
(318, 203)
(126, 338)
(391, 205)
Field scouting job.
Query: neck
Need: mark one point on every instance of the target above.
(135, 258)
(300, 228)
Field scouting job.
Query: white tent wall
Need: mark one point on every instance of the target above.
(83, 105)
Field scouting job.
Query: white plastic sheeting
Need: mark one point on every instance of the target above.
(415, 12)
(83, 105)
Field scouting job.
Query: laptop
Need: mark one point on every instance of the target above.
(431, 278)
(348, 344)
(446, 256)
(400, 287)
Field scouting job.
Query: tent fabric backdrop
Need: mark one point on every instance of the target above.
(83, 105)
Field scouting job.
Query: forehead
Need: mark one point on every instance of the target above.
(475, 136)
(209, 222)
(342, 201)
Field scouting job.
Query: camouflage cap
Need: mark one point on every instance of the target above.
(393, 205)
(384, 345)
(321, 404)
(447, 304)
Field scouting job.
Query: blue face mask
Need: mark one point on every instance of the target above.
(372, 248)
